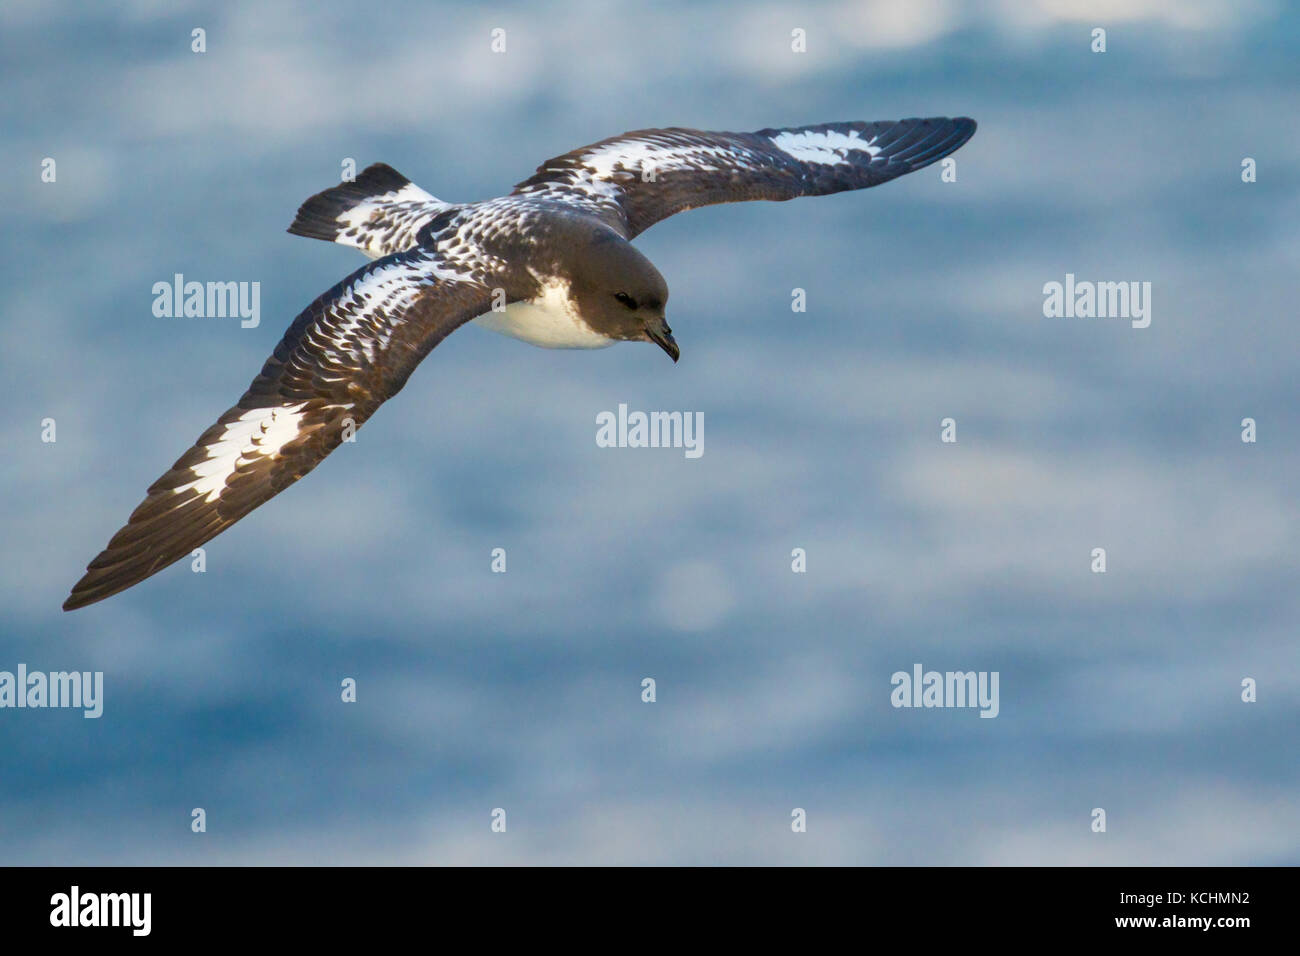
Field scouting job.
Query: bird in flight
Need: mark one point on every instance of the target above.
(551, 263)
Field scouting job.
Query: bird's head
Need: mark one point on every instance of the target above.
(621, 294)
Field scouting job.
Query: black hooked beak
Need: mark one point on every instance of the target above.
(662, 336)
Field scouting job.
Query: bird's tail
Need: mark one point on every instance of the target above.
(380, 212)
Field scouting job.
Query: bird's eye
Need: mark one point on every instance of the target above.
(626, 299)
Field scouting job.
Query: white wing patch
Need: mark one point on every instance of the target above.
(827, 148)
(388, 222)
(361, 213)
(258, 433)
(389, 289)
(643, 156)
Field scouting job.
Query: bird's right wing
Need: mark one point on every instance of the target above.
(345, 355)
(639, 178)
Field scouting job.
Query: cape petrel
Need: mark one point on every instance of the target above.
(551, 263)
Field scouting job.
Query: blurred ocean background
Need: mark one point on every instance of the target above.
(522, 690)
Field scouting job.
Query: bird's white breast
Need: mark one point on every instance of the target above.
(549, 321)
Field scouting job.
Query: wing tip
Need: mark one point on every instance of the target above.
(99, 583)
(82, 594)
(965, 126)
(74, 603)
(916, 143)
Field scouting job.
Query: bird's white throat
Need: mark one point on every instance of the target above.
(550, 321)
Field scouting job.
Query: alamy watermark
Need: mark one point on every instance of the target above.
(208, 300)
(128, 910)
(1084, 299)
(80, 689)
(922, 688)
(651, 430)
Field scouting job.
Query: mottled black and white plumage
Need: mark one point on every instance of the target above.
(550, 263)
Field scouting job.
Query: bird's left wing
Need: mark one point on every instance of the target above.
(347, 353)
(639, 178)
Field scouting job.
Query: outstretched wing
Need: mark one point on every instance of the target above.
(639, 178)
(347, 353)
